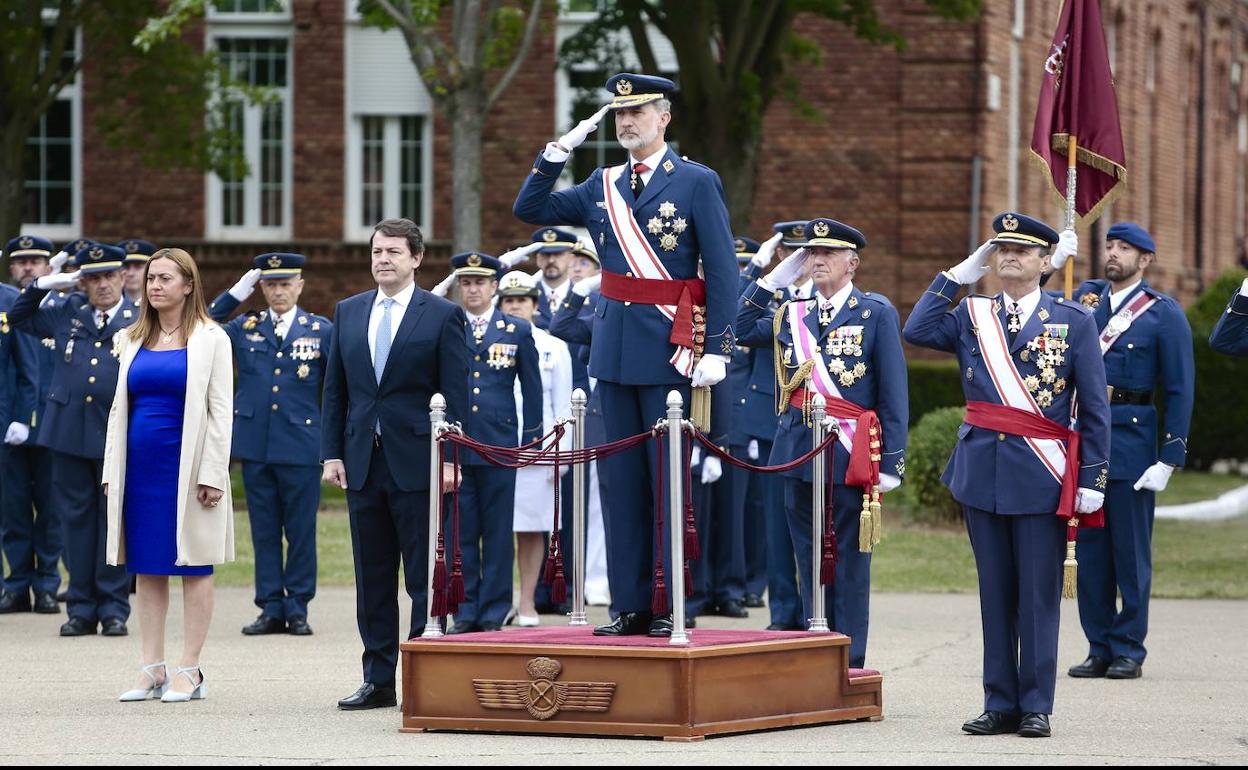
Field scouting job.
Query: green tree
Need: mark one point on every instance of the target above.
(734, 57)
(152, 100)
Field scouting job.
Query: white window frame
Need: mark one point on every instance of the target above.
(247, 17)
(73, 94)
(214, 229)
(354, 230)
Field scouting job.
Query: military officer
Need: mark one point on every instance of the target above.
(1023, 478)
(657, 221)
(845, 344)
(281, 354)
(138, 252)
(554, 263)
(1230, 335)
(501, 352)
(1147, 345)
(85, 326)
(30, 526)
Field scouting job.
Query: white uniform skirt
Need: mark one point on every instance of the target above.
(535, 500)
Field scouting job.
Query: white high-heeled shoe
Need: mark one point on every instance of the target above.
(155, 691)
(199, 693)
(528, 621)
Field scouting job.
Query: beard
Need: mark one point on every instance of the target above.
(637, 141)
(1119, 272)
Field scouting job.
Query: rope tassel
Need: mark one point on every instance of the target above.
(658, 596)
(877, 517)
(866, 526)
(1070, 568)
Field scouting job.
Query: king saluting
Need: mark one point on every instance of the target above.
(660, 324)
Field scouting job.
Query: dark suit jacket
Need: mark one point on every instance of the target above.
(428, 357)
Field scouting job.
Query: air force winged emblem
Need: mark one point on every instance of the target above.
(542, 696)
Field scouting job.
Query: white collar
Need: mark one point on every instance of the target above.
(402, 299)
(473, 317)
(1026, 304)
(1116, 297)
(288, 318)
(112, 311)
(651, 162)
(837, 299)
(556, 292)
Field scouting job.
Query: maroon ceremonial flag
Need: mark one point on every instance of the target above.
(1077, 99)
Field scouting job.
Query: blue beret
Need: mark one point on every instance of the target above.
(632, 90)
(29, 246)
(833, 235)
(746, 248)
(277, 264)
(554, 241)
(793, 231)
(1133, 234)
(137, 250)
(1011, 227)
(476, 263)
(99, 258)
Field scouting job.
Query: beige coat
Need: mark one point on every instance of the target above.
(205, 535)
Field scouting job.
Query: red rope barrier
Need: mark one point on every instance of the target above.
(714, 449)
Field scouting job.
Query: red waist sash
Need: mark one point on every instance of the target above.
(685, 294)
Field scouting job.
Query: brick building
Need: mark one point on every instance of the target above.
(919, 149)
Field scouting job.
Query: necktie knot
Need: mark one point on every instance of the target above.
(640, 168)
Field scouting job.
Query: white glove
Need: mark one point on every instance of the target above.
(57, 263)
(695, 456)
(587, 286)
(711, 370)
(1088, 501)
(1067, 247)
(16, 434)
(1243, 289)
(974, 267)
(443, 286)
(573, 139)
(785, 272)
(765, 252)
(888, 482)
(751, 451)
(57, 282)
(1155, 478)
(246, 285)
(712, 470)
(516, 256)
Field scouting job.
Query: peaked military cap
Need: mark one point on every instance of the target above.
(138, 251)
(275, 265)
(1012, 227)
(29, 246)
(583, 250)
(518, 283)
(632, 90)
(792, 233)
(476, 263)
(99, 258)
(831, 234)
(746, 248)
(553, 240)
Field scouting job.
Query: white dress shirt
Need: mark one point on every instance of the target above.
(287, 320)
(1026, 305)
(401, 301)
(651, 162)
(112, 311)
(838, 299)
(1116, 298)
(555, 296)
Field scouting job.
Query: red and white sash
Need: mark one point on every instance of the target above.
(639, 254)
(1009, 383)
(1123, 319)
(806, 348)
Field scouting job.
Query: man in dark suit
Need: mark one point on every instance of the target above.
(391, 350)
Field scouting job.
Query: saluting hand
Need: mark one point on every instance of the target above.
(975, 266)
(209, 496)
(58, 281)
(765, 252)
(573, 139)
(57, 263)
(444, 285)
(514, 257)
(246, 285)
(335, 473)
(786, 272)
(588, 285)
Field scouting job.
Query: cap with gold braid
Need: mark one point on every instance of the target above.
(632, 90)
(792, 233)
(28, 246)
(476, 263)
(99, 258)
(554, 240)
(746, 248)
(831, 234)
(138, 251)
(518, 283)
(275, 265)
(1012, 227)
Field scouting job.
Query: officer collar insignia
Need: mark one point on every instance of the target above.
(623, 87)
(303, 320)
(26, 242)
(549, 236)
(668, 165)
(275, 262)
(1044, 314)
(1010, 222)
(127, 313)
(316, 326)
(474, 260)
(511, 328)
(500, 323)
(853, 302)
(821, 230)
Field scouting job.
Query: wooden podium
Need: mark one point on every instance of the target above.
(563, 680)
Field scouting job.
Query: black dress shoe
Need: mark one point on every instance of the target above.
(113, 627)
(62, 596)
(1035, 726)
(464, 628)
(627, 624)
(784, 627)
(298, 626)
(45, 604)
(691, 622)
(265, 624)
(753, 601)
(661, 626)
(1124, 668)
(77, 626)
(491, 627)
(1092, 668)
(11, 602)
(369, 696)
(992, 723)
(731, 608)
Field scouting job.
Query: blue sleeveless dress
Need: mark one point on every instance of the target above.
(157, 386)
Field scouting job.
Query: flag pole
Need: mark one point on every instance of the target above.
(1071, 176)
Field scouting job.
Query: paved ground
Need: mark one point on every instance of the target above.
(271, 700)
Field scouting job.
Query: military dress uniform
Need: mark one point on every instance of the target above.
(277, 423)
(859, 343)
(501, 352)
(75, 424)
(1010, 483)
(30, 526)
(1149, 348)
(670, 212)
(1230, 335)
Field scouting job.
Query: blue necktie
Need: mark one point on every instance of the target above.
(382, 341)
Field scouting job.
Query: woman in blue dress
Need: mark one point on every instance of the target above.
(166, 467)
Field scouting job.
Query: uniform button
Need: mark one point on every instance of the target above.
(1169, 436)
(476, 358)
(474, 407)
(630, 275)
(95, 361)
(1135, 419)
(628, 304)
(753, 387)
(275, 407)
(276, 388)
(307, 422)
(1130, 346)
(99, 344)
(277, 371)
(279, 354)
(90, 399)
(1000, 437)
(476, 374)
(743, 400)
(91, 380)
(476, 391)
